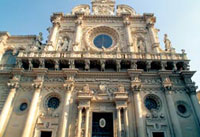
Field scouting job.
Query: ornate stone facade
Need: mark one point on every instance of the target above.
(102, 72)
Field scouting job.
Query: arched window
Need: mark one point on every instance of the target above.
(8, 58)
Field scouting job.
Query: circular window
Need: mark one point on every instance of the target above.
(53, 102)
(103, 40)
(152, 102)
(23, 106)
(183, 109)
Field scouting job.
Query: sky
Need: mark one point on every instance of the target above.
(180, 19)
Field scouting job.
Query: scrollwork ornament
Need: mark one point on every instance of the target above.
(69, 85)
(136, 84)
(191, 90)
(167, 84)
(37, 85)
(56, 21)
(13, 84)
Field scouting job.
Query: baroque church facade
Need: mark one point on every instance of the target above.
(101, 73)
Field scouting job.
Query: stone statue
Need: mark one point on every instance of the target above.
(87, 65)
(60, 44)
(102, 62)
(133, 65)
(39, 39)
(141, 46)
(167, 43)
(65, 44)
(118, 65)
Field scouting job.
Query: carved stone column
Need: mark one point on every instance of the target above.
(119, 130)
(78, 37)
(191, 91)
(84, 98)
(80, 109)
(136, 86)
(8, 106)
(32, 114)
(54, 30)
(63, 126)
(167, 85)
(87, 121)
(126, 122)
(192, 94)
(128, 31)
(150, 21)
(138, 101)
(121, 100)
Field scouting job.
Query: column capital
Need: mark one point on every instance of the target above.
(136, 84)
(13, 84)
(56, 19)
(80, 108)
(167, 84)
(70, 73)
(150, 19)
(69, 85)
(191, 89)
(37, 84)
(126, 18)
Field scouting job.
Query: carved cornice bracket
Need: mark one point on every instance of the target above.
(37, 84)
(167, 84)
(136, 84)
(56, 18)
(70, 73)
(126, 18)
(69, 85)
(13, 84)
(150, 19)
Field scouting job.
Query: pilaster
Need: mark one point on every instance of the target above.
(33, 111)
(13, 84)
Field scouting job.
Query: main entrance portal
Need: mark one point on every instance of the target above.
(102, 125)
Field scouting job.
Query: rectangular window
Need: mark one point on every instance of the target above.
(158, 134)
(46, 134)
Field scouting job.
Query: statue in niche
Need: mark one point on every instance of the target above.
(63, 44)
(167, 42)
(66, 44)
(141, 46)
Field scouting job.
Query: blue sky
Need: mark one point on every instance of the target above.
(180, 19)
